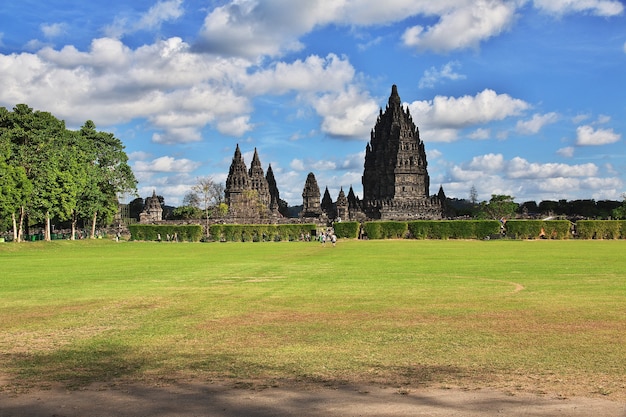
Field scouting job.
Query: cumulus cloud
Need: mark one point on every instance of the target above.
(566, 152)
(166, 164)
(162, 11)
(464, 26)
(442, 117)
(433, 76)
(518, 177)
(538, 121)
(588, 136)
(349, 113)
(596, 7)
(177, 91)
(52, 30)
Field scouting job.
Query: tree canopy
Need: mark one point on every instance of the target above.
(50, 172)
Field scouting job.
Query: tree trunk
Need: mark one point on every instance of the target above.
(46, 233)
(20, 230)
(93, 225)
(14, 227)
(74, 221)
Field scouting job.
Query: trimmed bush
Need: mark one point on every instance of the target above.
(184, 233)
(453, 229)
(600, 229)
(259, 232)
(531, 229)
(385, 230)
(349, 230)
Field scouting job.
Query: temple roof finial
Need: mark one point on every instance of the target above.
(394, 98)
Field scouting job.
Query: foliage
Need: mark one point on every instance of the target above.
(620, 212)
(349, 230)
(535, 229)
(186, 213)
(52, 173)
(260, 232)
(600, 229)
(453, 229)
(183, 233)
(498, 207)
(385, 229)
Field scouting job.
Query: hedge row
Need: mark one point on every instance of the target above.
(601, 229)
(429, 229)
(183, 233)
(348, 230)
(531, 229)
(260, 232)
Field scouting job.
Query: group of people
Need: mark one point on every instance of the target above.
(328, 236)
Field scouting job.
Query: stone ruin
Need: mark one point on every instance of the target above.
(152, 212)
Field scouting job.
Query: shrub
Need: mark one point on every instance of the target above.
(184, 233)
(348, 230)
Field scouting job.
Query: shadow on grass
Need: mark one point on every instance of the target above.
(75, 367)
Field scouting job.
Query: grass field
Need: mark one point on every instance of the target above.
(534, 316)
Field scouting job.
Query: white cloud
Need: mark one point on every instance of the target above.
(162, 11)
(53, 30)
(518, 177)
(538, 121)
(521, 168)
(596, 7)
(586, 135)
(177, 91)
(297, 165)
(433, 76)
(314, 74)
(346, 113)
(480, 134)
(453, 113)
(464, 26)
(166, 164)
(566, 152)
(489, 163)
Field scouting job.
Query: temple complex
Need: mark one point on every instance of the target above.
(395, 180)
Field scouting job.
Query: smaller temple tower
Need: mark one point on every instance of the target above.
(152, 212)
(342, 206)
(237, 181)
(311, 198)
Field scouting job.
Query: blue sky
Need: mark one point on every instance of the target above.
(524, 97)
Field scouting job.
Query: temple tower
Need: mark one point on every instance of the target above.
(237, 181)
(342, 205)
(311, 198)
(258, 182)
(273, 189)
(395, 177)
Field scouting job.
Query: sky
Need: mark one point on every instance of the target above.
(525, 98)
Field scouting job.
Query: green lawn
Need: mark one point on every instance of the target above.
(539, 316)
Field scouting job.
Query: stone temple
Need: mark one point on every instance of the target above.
(395, 181)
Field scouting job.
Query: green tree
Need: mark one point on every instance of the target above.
(108, 175)
(498, 207)
(620, 212)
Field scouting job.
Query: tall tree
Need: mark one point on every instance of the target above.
(108, 174)
(211, 194)
(499, 207)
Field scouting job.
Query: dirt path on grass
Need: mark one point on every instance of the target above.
(224, 400)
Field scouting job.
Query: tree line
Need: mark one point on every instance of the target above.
(50, 173)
